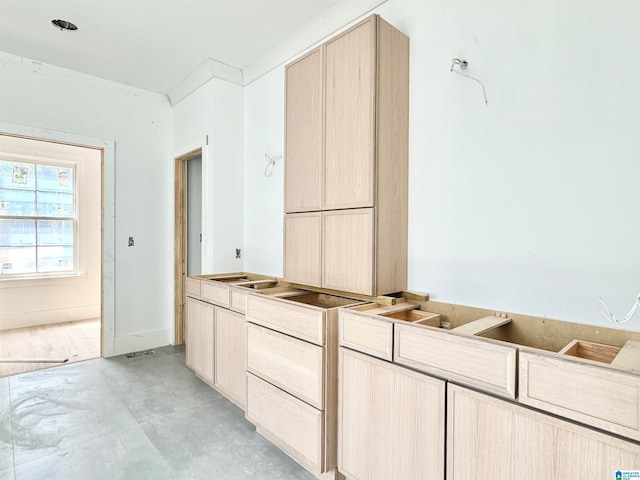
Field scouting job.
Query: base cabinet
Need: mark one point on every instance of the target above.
(290, 423)
(200, 338)
(391, 421)
(490, 438)
(231, 355)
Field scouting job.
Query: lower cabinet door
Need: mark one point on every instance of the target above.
(291, 424)
(391, 421)
(200, 341)
(231, 355)
(490, 438)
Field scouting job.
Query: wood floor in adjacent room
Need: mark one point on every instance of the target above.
(76, 341)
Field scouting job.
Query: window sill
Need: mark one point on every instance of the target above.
(43, 281)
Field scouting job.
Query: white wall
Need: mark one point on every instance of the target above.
(61, 102)
(215, 111)
(526, 205)
(41, 301)
(264, 201)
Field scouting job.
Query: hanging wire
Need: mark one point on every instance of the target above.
(611, 317)
(271, 162)
(464, 64)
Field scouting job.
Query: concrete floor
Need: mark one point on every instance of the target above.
(146, 417)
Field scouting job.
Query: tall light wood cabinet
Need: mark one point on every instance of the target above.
(304, 149)
(489, 438)
(351, 117)
(200, 338)
(361, 161)
(391, 421)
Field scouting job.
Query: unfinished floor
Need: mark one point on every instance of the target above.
(76, 341)
(146, 417)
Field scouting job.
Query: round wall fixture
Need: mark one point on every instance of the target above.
(63, 25)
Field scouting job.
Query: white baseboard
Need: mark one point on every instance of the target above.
(48, 317)
(135, 342)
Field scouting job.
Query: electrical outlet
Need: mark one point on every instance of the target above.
(238, 253)
(131, 242)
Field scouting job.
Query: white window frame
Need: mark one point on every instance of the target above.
(53, 158)
(36, 218)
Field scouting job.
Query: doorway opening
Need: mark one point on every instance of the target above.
(50, 253)
(188, 230)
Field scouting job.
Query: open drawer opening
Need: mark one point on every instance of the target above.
(416, 316)
(598, 352)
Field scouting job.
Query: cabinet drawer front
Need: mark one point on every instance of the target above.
(473, 361)
(597, 396)
(216, 293)
(366, 335)
(297, 426)
(193, 287)
(238, 300)
(296, 320)
(289, 363)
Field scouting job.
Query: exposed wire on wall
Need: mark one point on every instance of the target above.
(463, 64)
(611, 317)
(271, 162)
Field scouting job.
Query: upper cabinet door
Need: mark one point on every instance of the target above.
(303, 248)
(305, 133)
(348, 250)
(350, 118)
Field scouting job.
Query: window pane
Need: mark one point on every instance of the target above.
(17, 233)
(15, 260)
(55, 259)
(56, 179)
(52, 204)
(17, 175)
(17, 202)
(55, 232)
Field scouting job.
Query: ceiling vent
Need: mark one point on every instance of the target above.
(63, 25)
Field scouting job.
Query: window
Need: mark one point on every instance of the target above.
(38, 218)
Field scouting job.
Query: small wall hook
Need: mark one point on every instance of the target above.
(463, 64)
(456, 61)
(271, 162)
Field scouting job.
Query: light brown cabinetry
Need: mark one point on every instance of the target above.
(488, 365)
(292, 375)
(362, 163)
(348, 262)
(288, 363)
(303, 248)
(392, 421)
(351, 116)
(231, 355)
(200, 339)
(304, 149)
(490, 438)
(561, 386)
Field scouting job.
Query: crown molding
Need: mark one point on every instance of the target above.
(209, 69)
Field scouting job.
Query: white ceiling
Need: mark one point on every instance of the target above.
(151, 44)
